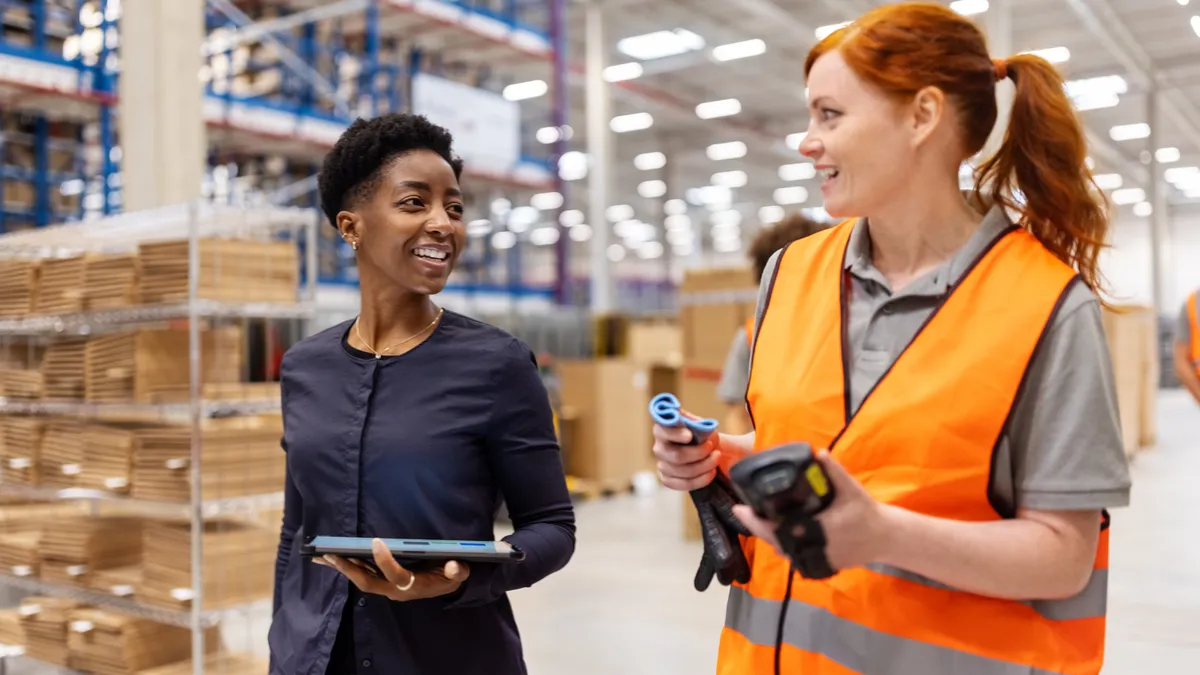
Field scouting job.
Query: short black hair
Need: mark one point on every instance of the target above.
(350, 171)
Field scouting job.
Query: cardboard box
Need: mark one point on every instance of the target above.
(714, 305)
(1132, 339)
(655, 343)
(611, 436)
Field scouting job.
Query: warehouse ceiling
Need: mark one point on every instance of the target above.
(1113, 52)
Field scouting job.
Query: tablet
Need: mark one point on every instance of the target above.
(416, 550)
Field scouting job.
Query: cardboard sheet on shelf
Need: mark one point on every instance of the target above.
(237, 561)
(18, 286)
(134, 366)
(21, 449)
(230, 270)
(60, 286)
(63, 370)
(224, 663)
(19, 553)
(44, 620)
(100, 543)
(11, 630)
(62, 453)
(108, 643)
(110, 281)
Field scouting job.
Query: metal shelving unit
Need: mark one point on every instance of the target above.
(212, 503)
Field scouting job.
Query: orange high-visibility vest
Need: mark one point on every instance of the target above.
(1194, 315)
(923, 439)
(750, 331)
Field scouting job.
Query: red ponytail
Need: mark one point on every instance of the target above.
(905, 47)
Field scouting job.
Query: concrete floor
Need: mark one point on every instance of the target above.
(626, 605)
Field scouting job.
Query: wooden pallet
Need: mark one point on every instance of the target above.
(230, 270)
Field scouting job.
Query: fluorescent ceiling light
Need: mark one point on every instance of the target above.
(825, 31)
(710, 195)
(739, 50)
(727, 218)
(794, 140)
(1183, 177)
(723, 108)
(1128, 196)
(650, 250)
(571, 218)
(659, 44)
(771, 214)
(795, 194)
(1093, 93)
(547, 135)
(573, 165)
(546, 201)
(680, 237)
(1196, 25)
(1052, 54)
(615, 252)
(544, 236)
(1167, 155)
(730, 150)
(504, 240)
(969, 7)
(618, 213)
(727, 244)
(678, 221)
(623, 71)
(798, 171)
(1108, 181)
(675, 207)
(1096, 101)
(523, 90)
(733, 179)
(648, 161)
(1143, 209)
(479, 228)
(652, 189)
(1129, 132)
(522, 218)
(580, 232)
(631, 122)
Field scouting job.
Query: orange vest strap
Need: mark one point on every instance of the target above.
(1193, 307)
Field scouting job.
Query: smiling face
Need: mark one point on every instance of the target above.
(860, 139)
(409, 229)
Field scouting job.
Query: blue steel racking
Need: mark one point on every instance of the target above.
(310, 44)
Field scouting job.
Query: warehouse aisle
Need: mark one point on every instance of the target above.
(626, 605)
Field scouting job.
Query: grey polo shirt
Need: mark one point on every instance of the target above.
(735, 376)
(1062, 448)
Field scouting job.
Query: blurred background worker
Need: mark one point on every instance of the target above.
(1187, 346)
(736, 373)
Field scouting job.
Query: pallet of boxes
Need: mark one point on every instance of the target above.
(1132, 333)
(98, 446)
(714, 306)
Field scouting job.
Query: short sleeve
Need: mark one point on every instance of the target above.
(1065, 434)
(764, 288)
(1183, 329)
(736, 373)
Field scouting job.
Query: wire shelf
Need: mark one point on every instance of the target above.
(165, 412)
(95, 598)
(215, 508)
(86, 323)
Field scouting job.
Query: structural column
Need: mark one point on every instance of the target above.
(1156, 195)
(998, 26)
(161, 102)
(599, 148)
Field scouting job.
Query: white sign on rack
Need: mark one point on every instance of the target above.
(486, 126)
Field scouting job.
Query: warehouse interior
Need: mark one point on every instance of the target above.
(162, 245)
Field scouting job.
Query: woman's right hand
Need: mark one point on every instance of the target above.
(685, 467)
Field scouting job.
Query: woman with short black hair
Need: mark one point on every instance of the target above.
(410, 421)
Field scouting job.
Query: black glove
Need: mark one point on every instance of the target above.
(807, 551)
(719, 530)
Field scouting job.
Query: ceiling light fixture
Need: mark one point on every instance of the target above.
(1129, 132)
(739, 50)
(525, 90)
(733, 179)
(825, 31)
(660, 44)
(649, 161)
(791, 195)
(722, 108)
(1052, 54)
(723, 151)
(631, 122)
(623, 71)
(970, 7)
(798, 171)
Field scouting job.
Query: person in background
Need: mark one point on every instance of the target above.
(947, 364)
(410, 421)
(1187, 346)
(736, 373)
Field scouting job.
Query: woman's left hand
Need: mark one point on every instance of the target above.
(398, 583)
(854, 524)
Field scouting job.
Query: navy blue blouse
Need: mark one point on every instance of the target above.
(420, 445)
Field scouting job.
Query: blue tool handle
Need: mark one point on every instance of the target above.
(665, 410)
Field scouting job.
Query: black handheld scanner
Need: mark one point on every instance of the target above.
(788, 486)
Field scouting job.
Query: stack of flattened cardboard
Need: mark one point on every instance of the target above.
(19, 554)
(18, 287)
(11, 631)
(237, 560)
(108, 452)
(223, 663)
(21, 370)
(60, 288)
(21, 448)
(239, 456)
(63, 369)
(73, 549)
(230, 270)
(1132, 333)
(62, 453)
(120, 581)
(140, 365)
(44, 622)
(110, 281)
(107, 643)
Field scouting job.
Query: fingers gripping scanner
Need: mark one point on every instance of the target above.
(788, 486)
(719, 527)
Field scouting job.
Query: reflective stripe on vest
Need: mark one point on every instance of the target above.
(923, 439)
(1194, 315)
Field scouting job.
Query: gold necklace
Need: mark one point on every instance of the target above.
(412, 337)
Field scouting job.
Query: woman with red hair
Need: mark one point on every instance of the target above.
(944, 353)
